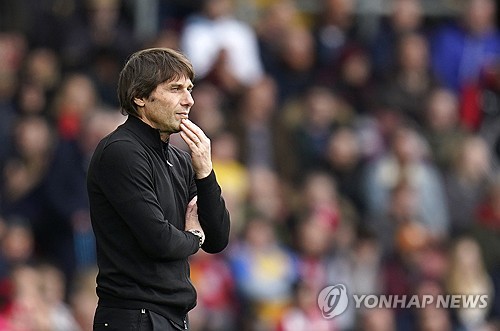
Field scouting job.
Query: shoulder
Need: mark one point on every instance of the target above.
(448, 32)
(121, 138)
(119, 148)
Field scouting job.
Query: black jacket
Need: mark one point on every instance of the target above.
(139, 190)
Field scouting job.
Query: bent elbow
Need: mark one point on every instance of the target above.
(216, 247)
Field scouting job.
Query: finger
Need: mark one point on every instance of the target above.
(191, 144)
(191, 134)
(194, 128)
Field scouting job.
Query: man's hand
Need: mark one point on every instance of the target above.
(199, 144)
(192, 222)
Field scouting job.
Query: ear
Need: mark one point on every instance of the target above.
(139, 102)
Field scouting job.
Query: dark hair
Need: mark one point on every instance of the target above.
(145, 70)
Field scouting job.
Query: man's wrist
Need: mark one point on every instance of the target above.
(199, 234)
(204, 174)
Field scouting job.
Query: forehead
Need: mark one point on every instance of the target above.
(180, 81)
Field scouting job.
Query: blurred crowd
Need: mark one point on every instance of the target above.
(356, 142)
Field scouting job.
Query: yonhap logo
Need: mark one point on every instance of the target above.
(332, 300)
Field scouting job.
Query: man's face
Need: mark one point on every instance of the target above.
(167, 105)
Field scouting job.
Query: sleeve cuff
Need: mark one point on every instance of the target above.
(206, 183)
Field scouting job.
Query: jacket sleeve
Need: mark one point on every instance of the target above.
(213, 215)
(126, 178)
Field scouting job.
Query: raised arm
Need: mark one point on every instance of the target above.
(213, 215)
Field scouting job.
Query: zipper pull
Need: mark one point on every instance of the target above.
(143, 311)
(185, 324)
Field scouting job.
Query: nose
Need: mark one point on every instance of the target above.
(187, 99)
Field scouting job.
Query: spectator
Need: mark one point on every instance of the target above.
(233, 177)
(31, 100)
(466, 183)
(294, 66)
(260, 132)
(264, 273)
(83, 298)
(411, 80)
(76, 98)
(433, 318)
(442, 128)
(468, 276)
(102, 27)
(486, 229)
(462, 56)
(43, 69)
(17, 246)
(221, 47)
(209, 111)
(460, 52)
(405, 161)
(13, 51)
(344, 161)
(217, 307)
(378, 319)
(267, 195)
(405, 17)
(53, 293)
(353, 79)
(274, 22)
(321, 111)
(25, 310)
(303, 314)
(70, 240)
(25, 171)
(334, 29)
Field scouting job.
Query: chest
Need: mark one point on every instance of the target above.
(172, 187)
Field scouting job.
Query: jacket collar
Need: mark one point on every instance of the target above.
(150, 136)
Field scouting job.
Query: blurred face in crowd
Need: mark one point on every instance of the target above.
(104, 13)
(343, 149)
(260, 100)
(320, 107)
(442, 110)
(78, 95)
(414, 53)
(207, 111)
(33, 137)
(475, 159)
(217, 8)
(298, 49)
(406, 14)
(480, 15)
(407, 145)
(339, 12)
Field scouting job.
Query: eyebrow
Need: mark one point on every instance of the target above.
(175, 84)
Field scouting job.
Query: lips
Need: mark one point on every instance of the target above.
(183, 115)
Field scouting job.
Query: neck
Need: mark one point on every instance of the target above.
(164, 136)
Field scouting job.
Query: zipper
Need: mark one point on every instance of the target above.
(185, 323)
(101, 324)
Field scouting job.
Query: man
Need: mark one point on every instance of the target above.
(145, 198)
